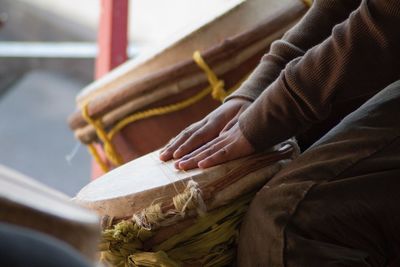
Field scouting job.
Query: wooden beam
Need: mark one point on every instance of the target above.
(65, 50)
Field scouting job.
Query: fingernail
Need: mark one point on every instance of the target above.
(201, 164)
(177, 154)
(176, 164)
(183, 165)
(163, 156)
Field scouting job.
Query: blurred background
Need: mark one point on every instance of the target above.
(47, 54)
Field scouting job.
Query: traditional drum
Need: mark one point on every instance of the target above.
(155, 215)
(27, 203)
(135, 109)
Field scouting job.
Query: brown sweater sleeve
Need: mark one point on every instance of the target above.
(312, 29)
(361, 55)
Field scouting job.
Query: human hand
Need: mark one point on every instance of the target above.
(199, 133)
(230, 145)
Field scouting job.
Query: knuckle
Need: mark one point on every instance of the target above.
(210, 160)
(206, 127)
(171, 144)
(186, 133)
(197, 135)
(171, 141)
(217, 116)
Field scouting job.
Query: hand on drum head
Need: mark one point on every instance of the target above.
(204, 131)
(230, 145)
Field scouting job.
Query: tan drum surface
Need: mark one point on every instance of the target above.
(143, 181)
(153, 213)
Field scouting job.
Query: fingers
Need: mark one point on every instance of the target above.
(223, 118)
(226, 153)
(168, 151)
(194, 153)
(228, 146)
(208, 132)
(206, 151)
(230, 124)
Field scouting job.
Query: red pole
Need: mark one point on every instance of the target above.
(112, 36)
(112, 42)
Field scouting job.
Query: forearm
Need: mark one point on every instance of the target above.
(311, 30)
(362, 55)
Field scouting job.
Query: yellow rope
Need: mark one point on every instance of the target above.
(217, 85)
(158, 111)
(95, 154)
(216, 89)
(210, 241)
(109, 148)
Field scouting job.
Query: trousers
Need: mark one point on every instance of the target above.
(338, 203)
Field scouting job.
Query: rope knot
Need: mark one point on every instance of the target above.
(149, 217)
(217, 86)
(190, 199)
(218, 92)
